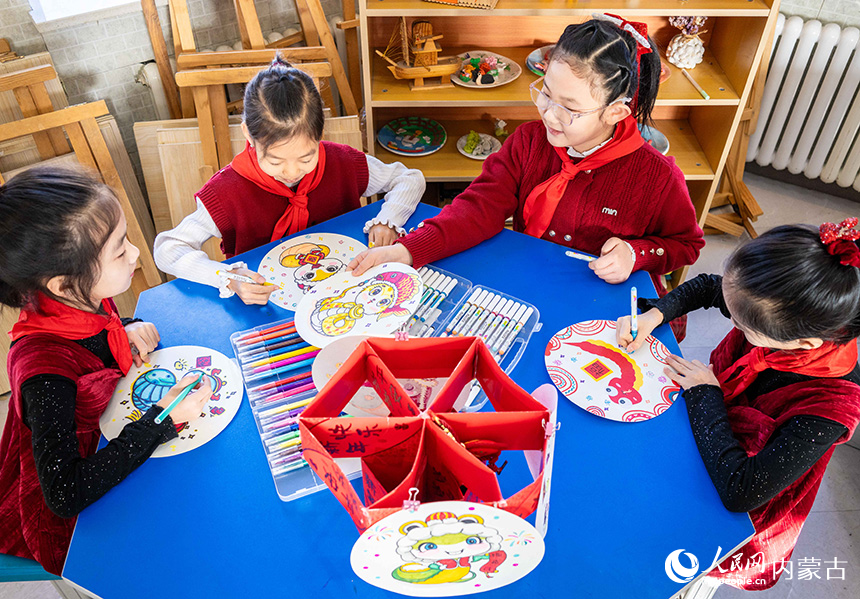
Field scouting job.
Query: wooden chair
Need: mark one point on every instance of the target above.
(210, 101)
(30, 91)
(315, 34)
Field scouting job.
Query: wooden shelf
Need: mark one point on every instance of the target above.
(449, 165)
(567, 8)
(675, 91)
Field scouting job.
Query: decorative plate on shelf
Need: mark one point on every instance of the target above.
(412, 136)
(480, 148)
(654, 137)
(536, 61)
(484, 69)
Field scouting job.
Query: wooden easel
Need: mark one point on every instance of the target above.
(30, 91)
(315, 34)
(206, 87)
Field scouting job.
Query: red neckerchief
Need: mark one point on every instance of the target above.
(828, 361)
(543, 200)
(295, 217)
(56, 318)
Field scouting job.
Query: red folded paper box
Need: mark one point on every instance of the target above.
(440, 452)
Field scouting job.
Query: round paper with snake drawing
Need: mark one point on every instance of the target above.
(586, 364)
(300, 263)
(447, 548)
(146, 385)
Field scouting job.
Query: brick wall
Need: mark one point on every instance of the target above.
(100, 59)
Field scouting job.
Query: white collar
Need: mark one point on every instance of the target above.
(575, 154)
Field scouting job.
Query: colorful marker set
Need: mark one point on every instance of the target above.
(442, 292)
(276, 366)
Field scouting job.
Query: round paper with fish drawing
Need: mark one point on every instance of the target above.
(146, 385)
(301, 262)
(586, 364)
(447, 548)
(366, 402)
(373, 304)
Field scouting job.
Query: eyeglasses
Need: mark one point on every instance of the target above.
(563, 115)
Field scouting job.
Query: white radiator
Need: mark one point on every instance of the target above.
(810, 111)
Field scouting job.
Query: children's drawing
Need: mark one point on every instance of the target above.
(148, 384)
(366, 402)
(586, 364)
(374, 304)
(447, 548)
(300, 263)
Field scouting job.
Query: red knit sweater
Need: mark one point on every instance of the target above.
(246, 215)
(641, 198)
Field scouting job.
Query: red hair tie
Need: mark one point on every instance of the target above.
(839, 240)
(639, 32)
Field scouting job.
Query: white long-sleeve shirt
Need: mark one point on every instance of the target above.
(179, 251)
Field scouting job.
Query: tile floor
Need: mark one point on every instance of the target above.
(833, 529)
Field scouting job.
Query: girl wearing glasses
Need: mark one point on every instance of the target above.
(582, 176)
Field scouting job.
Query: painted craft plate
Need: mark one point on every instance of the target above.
(586, 364)
(144, 386)
(302, 262)
(506, 75)
(374, 304)
(366, 402)
(496, 146)
(447, 548)
(536, 61)
(654, 137)
(412, 136)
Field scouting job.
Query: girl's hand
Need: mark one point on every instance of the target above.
(248, 292)
(380, 235)
(615, 263)
(189, 408)
(143, 336)
(380, 255)
(646, 322)
(689, 374)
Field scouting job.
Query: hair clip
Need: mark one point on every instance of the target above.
(839, 241)
(639, 31)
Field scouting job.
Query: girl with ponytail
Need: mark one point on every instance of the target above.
(783, 387)
(582, 176)
(285, 180)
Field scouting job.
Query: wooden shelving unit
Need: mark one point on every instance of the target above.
(700, 131)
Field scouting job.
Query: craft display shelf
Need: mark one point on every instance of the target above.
(700, 131)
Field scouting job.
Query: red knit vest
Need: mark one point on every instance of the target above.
(27, 527)
(779, 521)
(246, 214)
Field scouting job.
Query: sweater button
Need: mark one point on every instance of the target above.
(660, 251)
(567, 238)
(421, 224)
(588, 172)
(551, 233)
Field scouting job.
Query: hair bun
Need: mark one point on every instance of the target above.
(280, 61)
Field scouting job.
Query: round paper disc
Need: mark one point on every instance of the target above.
(447, 548)
(586, 364)
(147, 385)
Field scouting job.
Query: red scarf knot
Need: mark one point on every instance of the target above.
(295, 217)
(840, 241)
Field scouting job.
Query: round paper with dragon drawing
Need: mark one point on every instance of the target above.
(366, 401)
(374, 304)
(146, 385)
(447, 548)
(302, 262)
(586, 364)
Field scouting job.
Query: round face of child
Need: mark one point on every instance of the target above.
(732, 299)
(575, 115)
(117, 262)
(376, 298)
(290, 160)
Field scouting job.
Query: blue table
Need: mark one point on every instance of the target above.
(209, 524)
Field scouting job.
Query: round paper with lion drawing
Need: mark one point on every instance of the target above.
(375, 304)
(301, 262)
(586, 364)
(447, 548)
(146, 385)
(366, 402)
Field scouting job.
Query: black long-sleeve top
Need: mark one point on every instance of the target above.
(746, 482)
(70, 482)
